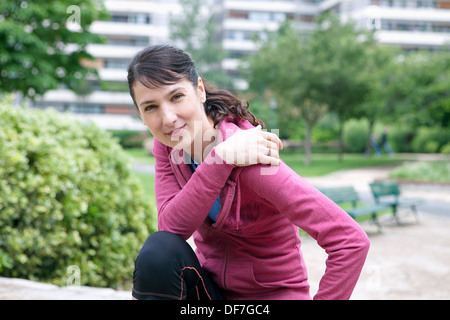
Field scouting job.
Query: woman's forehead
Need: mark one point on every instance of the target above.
(143, 92)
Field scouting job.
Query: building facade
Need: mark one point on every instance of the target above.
(133, 25)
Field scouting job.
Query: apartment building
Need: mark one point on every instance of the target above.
(242, 21)
(410, 24)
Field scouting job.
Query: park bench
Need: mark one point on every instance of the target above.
(347, 194)
(388, 192)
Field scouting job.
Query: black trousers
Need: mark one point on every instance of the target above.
(167, 268)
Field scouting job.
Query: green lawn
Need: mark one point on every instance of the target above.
(322, 164)
(140, 156)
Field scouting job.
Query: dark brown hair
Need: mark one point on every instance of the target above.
(161, 65)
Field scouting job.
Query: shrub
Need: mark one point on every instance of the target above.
(446, 149)
(430, 140)
(429, 171)
(355, 135)
(400, 137)
(129, 138)
(327, 129)
(67, 197)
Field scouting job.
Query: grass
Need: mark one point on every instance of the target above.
(322, 164)
(148, 182)
(140, 156)
(424, 171)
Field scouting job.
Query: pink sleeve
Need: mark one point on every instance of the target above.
(182, 210)
(335, 231)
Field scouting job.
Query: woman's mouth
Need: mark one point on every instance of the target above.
(178, 132)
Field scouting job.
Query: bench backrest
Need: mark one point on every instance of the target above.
(384, 188)
(341, 194)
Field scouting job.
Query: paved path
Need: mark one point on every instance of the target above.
(20, 289)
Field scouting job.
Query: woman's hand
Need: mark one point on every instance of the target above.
(248, 147)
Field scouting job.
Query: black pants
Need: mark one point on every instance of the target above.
(167, 268)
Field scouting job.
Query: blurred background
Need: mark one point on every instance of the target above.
(323, 71)
(348, 84)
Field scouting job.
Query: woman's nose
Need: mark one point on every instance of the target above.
(169, 116)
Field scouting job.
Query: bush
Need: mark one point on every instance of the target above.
(327, 129)
(400, 137)
(67, 197)
(129, 138)
(428, 171)
(430, 140)
(446, 149)
(355, 135)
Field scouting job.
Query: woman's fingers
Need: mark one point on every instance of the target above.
(268, 147)
(270, 136)
(248, 147)
(269, 156)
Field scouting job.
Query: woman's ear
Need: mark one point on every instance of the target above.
(201, 90)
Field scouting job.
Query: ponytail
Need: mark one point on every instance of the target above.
(220, 104)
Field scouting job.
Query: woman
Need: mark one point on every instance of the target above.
(220, 179)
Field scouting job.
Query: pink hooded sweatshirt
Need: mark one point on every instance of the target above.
(252, 251)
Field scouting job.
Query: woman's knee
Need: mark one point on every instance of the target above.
(159, 263)
(159, 245)
(161, 252)
(163, 242)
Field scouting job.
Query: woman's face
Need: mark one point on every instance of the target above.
(174, 114)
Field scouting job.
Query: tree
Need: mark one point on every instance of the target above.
(422, 91)
(44, 44)
(341, 68)
(282, 67)
(310, 74)
(197, 34)
(383, 68)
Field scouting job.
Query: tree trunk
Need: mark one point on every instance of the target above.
(341, 142)
(368, 143)
(308, 144)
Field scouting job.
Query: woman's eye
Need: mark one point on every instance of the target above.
(150, 107)
(177, 96)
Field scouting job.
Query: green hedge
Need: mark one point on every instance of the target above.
(355, 135)
(430, 140)
(129, 138)
(67, 197)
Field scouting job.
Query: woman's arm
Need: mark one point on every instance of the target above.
(182, 208)
(335, 231)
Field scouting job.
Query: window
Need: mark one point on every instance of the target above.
(116, 64)
(136, 18)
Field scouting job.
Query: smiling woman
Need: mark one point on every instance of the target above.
(244, 220)
(178, 107)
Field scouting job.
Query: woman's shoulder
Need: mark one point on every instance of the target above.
(230, 125)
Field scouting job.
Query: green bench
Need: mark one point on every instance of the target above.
(348, 194)
(388, 192)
